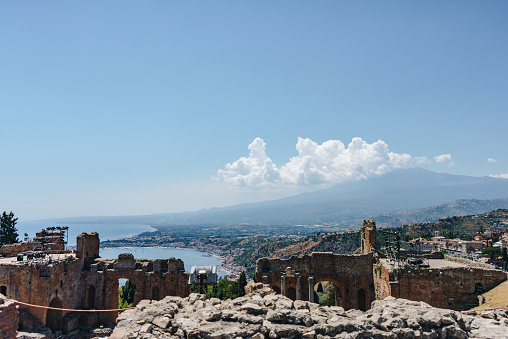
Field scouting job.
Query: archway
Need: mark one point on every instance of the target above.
(327, 293)
(54, 317)
(362, 300)
(155, 293)
(3, 290)
(126, 292)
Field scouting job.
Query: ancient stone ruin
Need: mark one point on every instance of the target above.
(362, 278)
(83, 280)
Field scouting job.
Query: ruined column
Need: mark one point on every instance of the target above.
(311, 289)
(283, 285)
(298, 287)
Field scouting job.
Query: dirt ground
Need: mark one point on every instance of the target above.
(496, 297)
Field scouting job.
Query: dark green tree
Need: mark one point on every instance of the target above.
(126, 297)
(493, 252)
(242, 282)
(8, 231)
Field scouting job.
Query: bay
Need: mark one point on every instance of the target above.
(106, 231)
(119, 231)
(189, 257)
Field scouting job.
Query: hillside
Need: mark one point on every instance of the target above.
(348, 242)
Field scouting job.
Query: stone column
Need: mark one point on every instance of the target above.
(283, 285)
(265, 280)
(311, 289)
(298, 287)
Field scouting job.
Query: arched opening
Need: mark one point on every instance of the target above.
(276, 289)
(291, 293)
(54, 317)
(362, 300)
(90, 297)
(478, 289)
(126, 292)
(326, 293)
(155, 293)
(3, 290)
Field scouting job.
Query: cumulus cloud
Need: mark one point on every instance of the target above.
(327, 163)
(491, 160)
(502, 176)
(444, 159)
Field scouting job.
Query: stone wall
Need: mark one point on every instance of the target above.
(85, 281)
(470, 262)
(452, 288)
(9, 318)
(368, 237)
(296, 277)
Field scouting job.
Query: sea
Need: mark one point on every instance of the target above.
(119, 231)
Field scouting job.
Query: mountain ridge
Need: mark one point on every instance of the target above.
(343, 204)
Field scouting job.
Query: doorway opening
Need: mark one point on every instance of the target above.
(326, 293)
(126, 292)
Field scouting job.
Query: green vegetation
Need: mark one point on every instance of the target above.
(8, 231)
(327, 295)
(225, 289)
(493, 252)
(126, 295)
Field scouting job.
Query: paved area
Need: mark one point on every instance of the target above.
(434, 263)
(55, 257)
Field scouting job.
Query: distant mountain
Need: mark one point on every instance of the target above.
(344, 204)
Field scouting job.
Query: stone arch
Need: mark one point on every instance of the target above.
(155, 293)
(478, 289)
(54, 317)
(362, 300)
(339, 290)
(3, 290)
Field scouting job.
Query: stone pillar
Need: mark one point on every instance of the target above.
(298, 287)
(311, 289)
(283, 285)
(265, 280)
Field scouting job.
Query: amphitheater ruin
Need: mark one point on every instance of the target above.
(84, 281)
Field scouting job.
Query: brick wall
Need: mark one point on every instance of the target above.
(9, 319)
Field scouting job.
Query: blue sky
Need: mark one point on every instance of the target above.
(128, 107)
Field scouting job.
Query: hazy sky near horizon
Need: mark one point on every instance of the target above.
(128, 107)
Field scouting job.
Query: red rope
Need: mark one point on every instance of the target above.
(65, 309)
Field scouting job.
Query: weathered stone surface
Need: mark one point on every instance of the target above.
(275, 316)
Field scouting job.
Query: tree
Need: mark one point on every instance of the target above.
(8, 231)
(242, 282)
(126, 297)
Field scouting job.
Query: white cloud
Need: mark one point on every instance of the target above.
(444, 159)
(502, 176)
(491, 160)
(326, 163)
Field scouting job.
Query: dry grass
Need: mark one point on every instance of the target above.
(496, 297)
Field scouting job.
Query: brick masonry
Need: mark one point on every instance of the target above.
(9, 319)
(85, 281)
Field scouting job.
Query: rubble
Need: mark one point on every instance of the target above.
(275, 316)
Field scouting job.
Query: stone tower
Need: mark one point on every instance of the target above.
(368, 236)
(87, 245)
